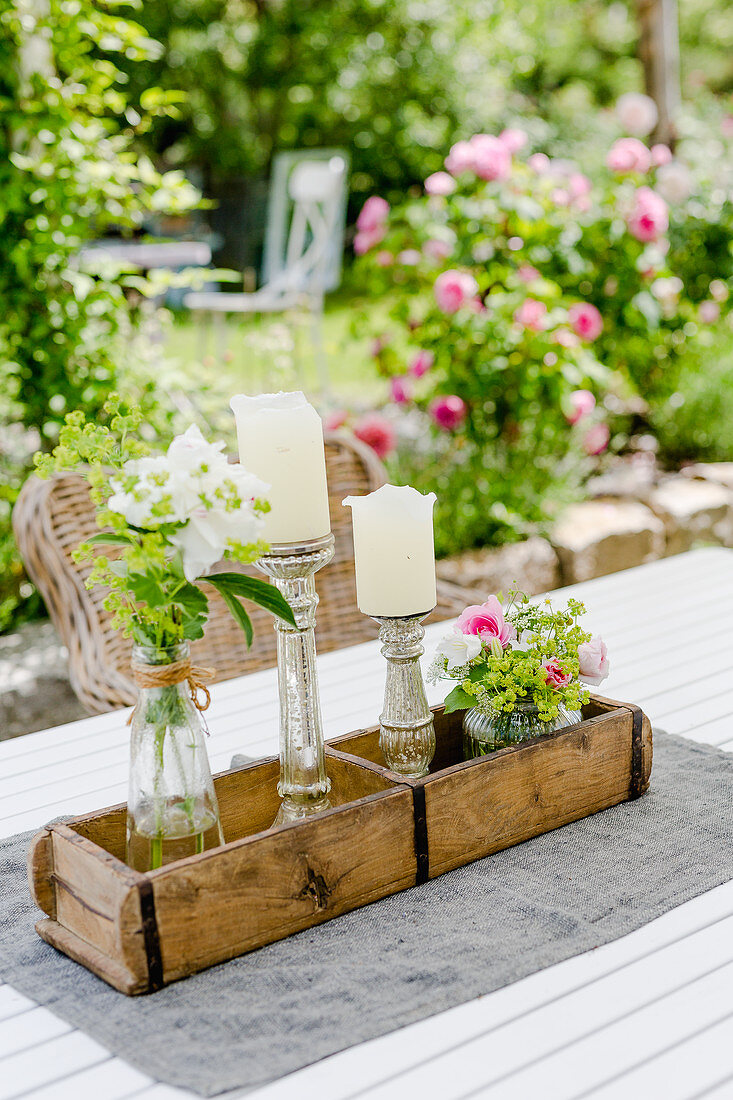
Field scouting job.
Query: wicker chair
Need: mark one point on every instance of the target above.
(52, 517)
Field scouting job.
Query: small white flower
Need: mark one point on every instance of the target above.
(458, 649)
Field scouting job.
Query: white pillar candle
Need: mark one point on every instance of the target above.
(394, 551)
(280, 440)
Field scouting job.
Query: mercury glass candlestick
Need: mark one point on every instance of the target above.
(303, 784)
(406, 731)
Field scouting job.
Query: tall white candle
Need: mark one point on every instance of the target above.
(394, 551)
(280, 439)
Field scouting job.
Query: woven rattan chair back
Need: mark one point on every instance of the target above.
(52, 517)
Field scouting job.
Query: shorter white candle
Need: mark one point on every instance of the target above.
(280, 439)
(394, 551)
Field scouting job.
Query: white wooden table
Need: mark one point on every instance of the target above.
(650, 1015)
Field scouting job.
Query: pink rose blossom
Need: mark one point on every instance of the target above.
(448, 412)
(436, 249)
(596, 439)
(582, 402)
(593, 659)
(410, 257)
(491, 158)
(373, 214)
(629, 155)
(460, 158)
(579, 185)
(637, 113)
(453, 289)
(399, 390)
(440, 183)
(539, 163)
(514, 139)
(565, 338)
(377, 432)
(365, 240)
(528, 274)
(709, 312)
(555, 674)
(334, 420)
(586, 320)
(649, 217)
(487, 621)
(661, 154)
(384, 258)
(421, 363)
(531, 314)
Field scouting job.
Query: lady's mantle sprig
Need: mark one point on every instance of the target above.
(523, 652)
(169, 518)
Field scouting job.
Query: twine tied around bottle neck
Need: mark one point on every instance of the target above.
(159, 676)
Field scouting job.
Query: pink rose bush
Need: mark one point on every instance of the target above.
(629, 155)
(448, 412)
(648, 218)
(585, 320)
(454, 289)
(521, 654)
(377, 432)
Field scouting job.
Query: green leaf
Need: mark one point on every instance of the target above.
(147, 590)
(458, 700)
(239, 614)
(251, 588)
(194, 610)
(109, 538)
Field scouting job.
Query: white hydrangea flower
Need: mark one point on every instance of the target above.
(458, 649)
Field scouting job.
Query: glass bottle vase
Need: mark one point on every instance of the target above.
(172, 810)
(485, 733)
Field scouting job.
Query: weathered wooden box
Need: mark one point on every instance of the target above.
(468, 809)
(384, 834)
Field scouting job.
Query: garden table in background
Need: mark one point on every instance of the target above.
(648, 1015)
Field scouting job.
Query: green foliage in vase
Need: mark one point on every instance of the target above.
(169, 518)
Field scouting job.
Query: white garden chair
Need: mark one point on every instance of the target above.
(303, 244)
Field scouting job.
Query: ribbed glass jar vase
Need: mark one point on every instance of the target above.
(172, 810)
(485, 733)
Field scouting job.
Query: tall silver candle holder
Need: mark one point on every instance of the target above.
(406, 731)
(303, 784)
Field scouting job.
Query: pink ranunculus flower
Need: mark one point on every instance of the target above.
(436, 249)
(491, 158)
(661, 155)
(555, 674)
(539, 163)
(637, 113)
(454, 289)
(334, 420)
(460, 158)
(709, 312)
(586, 320)
(448, 412)
(366, 239)
(629, 155)
(487, 621)
(373, 214)
(531, 314)
(581, 403)
(514, 139)
(596, 439)
(440, 183)
(421, 363)
(377, 432)
(649, 218)
(528, 274)
(399, 391)
(593, 659)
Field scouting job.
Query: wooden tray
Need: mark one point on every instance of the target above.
(141, 931)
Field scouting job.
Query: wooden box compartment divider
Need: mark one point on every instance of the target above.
(384, 833)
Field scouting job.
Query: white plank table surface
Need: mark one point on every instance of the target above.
(650, 1015)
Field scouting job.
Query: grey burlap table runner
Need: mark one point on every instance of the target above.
(253, 1020)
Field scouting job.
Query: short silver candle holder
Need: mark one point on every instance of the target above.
(406, 731)
(303, 784)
